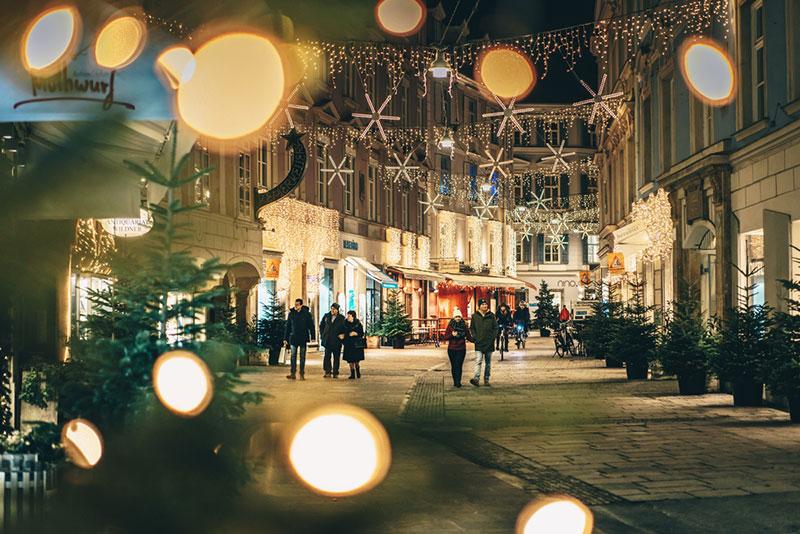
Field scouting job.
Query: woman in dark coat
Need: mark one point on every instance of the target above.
(457, 335)
(354, 343)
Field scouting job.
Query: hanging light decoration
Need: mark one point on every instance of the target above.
(182, 382)
(708, 71)
(440, 68)
(119, 42)
(400, 17)
(654, 214)
(51, 40)
(506, 72)
(82, 443)
(447, 141)
(564, 515)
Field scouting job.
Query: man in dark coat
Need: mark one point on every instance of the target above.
(483, 328)
(331, 334)
(299, 331)
(522, 315)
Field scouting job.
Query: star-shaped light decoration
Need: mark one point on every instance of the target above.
(484, 207)
(559, 240)
(585, 229)
(431, 203)
(287, 105)
(402, 168)
(508, 113)
(558, 156)
(560, 223)
(598, 100)
(538, 202)
(527, 232)
(376, 116)
(496, 163)
(338, 170)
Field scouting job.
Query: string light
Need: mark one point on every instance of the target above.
(447, 234)
(423, 252)
(511, 250)
(474, 235)
(393, 248)
(496, 260)
(409, 249)
(654, 215)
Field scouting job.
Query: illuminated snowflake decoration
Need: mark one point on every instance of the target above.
(558, 156)
(337, 170)
(560, 240)
(402, 168)
(496, 163)
(287, 104)
(538, 202)
(431, 203)
(560, 223)
(376, 116)
(599, 100)
(509, 115)
(484, 209)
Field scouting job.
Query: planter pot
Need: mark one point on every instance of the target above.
(544, 332)
(636, 370)
(614, 363)
(747, 393)
(794, 408)
(373, 342)
(399, 342)
(692, 383)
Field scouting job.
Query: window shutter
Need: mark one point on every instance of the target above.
(585, 243)
(565, 251)
(564, 191)
(527, 245)
(584, 184)
(540, 248)
(537, 186)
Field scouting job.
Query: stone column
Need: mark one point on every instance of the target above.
(777, 257)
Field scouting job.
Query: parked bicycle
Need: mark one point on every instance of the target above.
(564, 340)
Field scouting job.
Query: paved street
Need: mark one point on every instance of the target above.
(645, 459)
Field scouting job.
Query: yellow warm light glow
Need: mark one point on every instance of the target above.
(708, 71)
(119, 42)
(237, 85)
(82, 442)
(178, 64)
(506, 72)
(182, 382)
(400, 17)
(50, 41)
(555, 515)
(348, 430)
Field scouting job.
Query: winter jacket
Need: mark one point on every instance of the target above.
(329, 329)
(351, 353)
(564, 316)
(299, 327)
(457, 335)
(483, 329)
(504, 319)
(522, 316)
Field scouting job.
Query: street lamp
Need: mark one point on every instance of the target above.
(440, 68)
(447, 141)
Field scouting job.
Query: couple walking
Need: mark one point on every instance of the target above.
(482, 332)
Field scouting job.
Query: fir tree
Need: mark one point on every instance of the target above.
(395, 322)
(784, 366)
(634, 340)
(546, 313)
(597, 327)
(272, 327)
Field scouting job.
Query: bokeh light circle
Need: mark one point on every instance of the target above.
(348, 431)
(506, 72)
(400, 17)
(555, 515)
(82, 443)
(178, 64)
(182, 382)
(237, 85)
(708, 71)
(119, 42)
(50, 41)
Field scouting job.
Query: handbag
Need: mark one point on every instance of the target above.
(359, 343)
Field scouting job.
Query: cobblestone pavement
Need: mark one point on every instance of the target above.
(646, 459)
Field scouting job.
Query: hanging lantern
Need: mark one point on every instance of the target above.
(400, 17)
(708, 71)
(51, 40)
(440, 68)
(447, 141)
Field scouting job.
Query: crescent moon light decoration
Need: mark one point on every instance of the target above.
(293, 178)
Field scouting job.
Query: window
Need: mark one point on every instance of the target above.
(519, 189)
(389, 206)
(444, 180)
(245, 185)
(202, 185)
(552, 133)
(552, 252)
(759, 62)
(404, 210)
(551, 189)
(647, 148)
(472, 110)
(666, 123)
(349, 86)
(264, 164)
(348, 185)
(372, 192)
(520, 238)
(471, 171)
(321, 152)
(422, 112)
(422, 218)
(592, 248)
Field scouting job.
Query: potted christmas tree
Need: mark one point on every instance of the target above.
(783, 373)
(686, 345)
(598, 330)
(745, 346)
(374, 332)
(634, 340)
(546, 314)
(395, 324)
(271, 327)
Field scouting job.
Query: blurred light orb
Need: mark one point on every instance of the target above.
(340, 429)
(400, 17)
(119, 42)
(506, 72)
(237, 85)
(182, 382)
(178, 64)
(708, 71)
(555, 515)
(82, 443)
(50, 41)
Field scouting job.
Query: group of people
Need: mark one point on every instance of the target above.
(336, 333)
(506, 320)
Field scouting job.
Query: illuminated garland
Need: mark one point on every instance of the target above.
(393, 248)
(654, 214)
(495, 231)
(423, 252)
(510, 250)
(474, 233)
(447, 235)
(579, 214)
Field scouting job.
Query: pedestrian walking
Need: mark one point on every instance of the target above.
(457, 334)
(354, 344)
(299, 331)
(331, 335)
(504, 322)
(483, 328)
(565, 315)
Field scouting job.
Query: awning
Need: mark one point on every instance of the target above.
(370, 270)
(418, 274)
(483, 280)
(524, 282)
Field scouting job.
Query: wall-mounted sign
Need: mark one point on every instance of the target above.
(616, 263)
(272, 268)
(350, 245)
(131, 227)
(585, 278)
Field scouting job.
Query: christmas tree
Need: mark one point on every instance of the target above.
(784, 366)
(634, 340)
(395, 323)
(272, 327)
(546, 313)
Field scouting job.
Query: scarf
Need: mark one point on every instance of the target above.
(460, 327)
